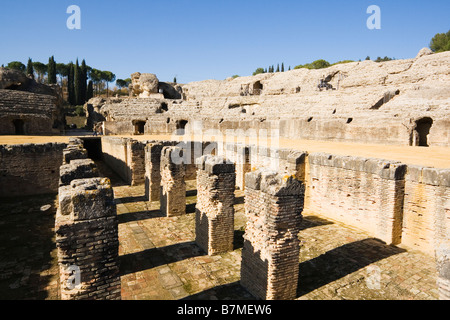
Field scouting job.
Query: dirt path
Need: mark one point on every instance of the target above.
(438, 157)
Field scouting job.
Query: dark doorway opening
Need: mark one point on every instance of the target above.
(19, 127)
(257, 88)
(93, 146)
(422, 131)
(139, 127)
(181, 127)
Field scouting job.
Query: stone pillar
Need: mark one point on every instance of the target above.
(135, 161)
(214, 211)
(77, 169)
(153, 171)
(443, 268)
(173, 186)
(270, 256)
(87, 241)
(243, 165)
(74, 150)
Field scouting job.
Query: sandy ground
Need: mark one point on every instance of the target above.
(438, 157)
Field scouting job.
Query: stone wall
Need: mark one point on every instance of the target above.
(30, 169)
(426, 220)
(37, 113)
(214, 211)
(125, 157)
(270, 256)
(365, 193)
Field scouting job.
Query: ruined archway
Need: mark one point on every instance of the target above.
(181, 126)
(19, 127)
(139, 127)
(257, 88)
(421, 131)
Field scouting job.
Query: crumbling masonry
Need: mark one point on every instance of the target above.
(214, 213)
(87, 234)
(173, 185)
(270, 256)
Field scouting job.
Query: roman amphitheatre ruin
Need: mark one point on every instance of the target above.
(306, 184)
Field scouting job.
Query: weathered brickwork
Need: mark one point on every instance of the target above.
(443, 269)
(426, 221)
(30, 169)
(136, 161)
(87, 240)
(126, 157)
(74, 151)
(214, 211)
(77, 169)
(273, 207)
(366, 193)
(173, 185)
(153, 168)
(36, 112)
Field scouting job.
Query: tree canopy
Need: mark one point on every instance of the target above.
(440, 42)
(318, 64)
(258, 71)
(16, 65)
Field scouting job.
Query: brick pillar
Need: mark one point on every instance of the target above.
(135, 160)
(214, 211)
(153, 171)
(270, 256)
(443, 268)
(87, 240)
(173, 186)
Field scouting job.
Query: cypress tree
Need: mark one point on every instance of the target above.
(70, 85)
(51, 70)
(282, 67)
(90, 90)
(30, 69)
(77, 84)
(278, 68)
(83, 74)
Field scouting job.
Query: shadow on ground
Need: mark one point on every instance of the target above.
(313, 221)
(151, 258)
(341, 261)
(230, 291)
(139, 216)
(28, 265)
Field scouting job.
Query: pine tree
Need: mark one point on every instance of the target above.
(83, 74)
(30, 69)
(90, 90)
(51, 70)
(70, 85)
(175, 80)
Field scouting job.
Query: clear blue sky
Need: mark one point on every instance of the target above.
(214, 39)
